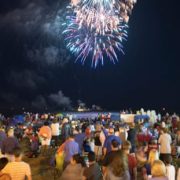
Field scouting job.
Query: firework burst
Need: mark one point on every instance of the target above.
(95, 29)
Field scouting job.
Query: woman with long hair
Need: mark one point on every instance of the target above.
(118, 169)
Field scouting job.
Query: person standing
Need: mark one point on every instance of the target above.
(170, 169)
(165, 144)
(66, 130)
(79, 138)
(55, 131)
(109, 157)
(9, 144)
(70, 148)
(118, 169)
(132, 162)
(45, 136)
(132, 137)
(97, 142)
(110, 137)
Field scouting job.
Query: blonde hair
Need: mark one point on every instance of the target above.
(65, 120)
(153, 155)
(158, 169)
(10, 132)
(98, 127)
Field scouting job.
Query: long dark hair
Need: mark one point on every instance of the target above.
(119, 164)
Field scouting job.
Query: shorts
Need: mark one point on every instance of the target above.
(45, 141)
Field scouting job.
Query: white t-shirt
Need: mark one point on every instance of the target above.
(170, 172)
(55, 129)
(165, 143)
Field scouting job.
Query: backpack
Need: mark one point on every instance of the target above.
(97, 141)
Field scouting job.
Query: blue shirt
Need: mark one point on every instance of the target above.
(79, 138)
(107, 143)
(70, 148)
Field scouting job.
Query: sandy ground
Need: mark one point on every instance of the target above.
(40, 166)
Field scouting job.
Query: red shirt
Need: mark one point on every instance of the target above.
(144, 137)
(132, 163)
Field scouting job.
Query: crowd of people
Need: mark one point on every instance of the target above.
(92, 149)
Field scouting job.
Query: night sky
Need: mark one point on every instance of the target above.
(38, 72)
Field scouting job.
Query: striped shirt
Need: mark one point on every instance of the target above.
(17, 170)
